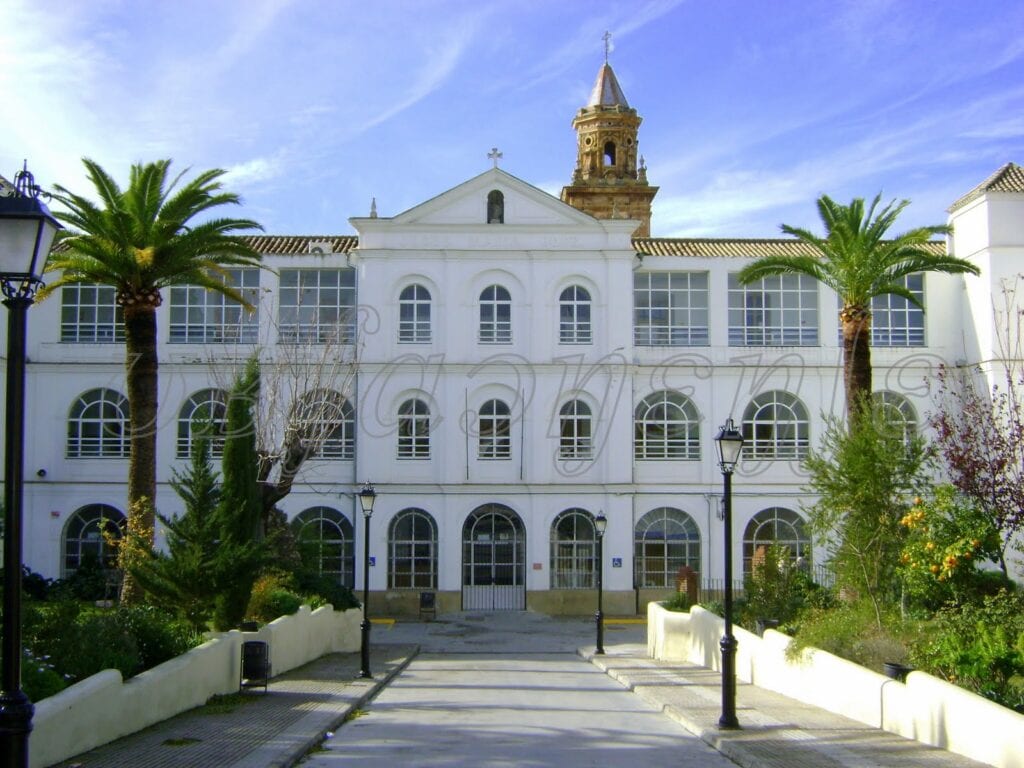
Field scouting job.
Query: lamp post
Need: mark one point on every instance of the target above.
(366, 498)
(729, 442)
(27, 229)
(600, 524)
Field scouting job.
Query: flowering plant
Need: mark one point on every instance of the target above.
(947, 536)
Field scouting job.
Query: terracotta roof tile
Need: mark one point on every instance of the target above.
(1009, 178)
(298, 245)
(719, 248)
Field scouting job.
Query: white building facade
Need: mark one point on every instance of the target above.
(515, 367)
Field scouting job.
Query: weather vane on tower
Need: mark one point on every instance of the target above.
(607, 37)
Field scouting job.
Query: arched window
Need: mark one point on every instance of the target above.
(98, 426)
(204, 414)
(325, 540)
(325, 420)
(495, 315)
(576, 435)
(609, 153)
(665, 540)
(775, 525)
(414, 315)
(775, 426)
(495, 207)
(666, 425)
(414, 430)
(412, 550)
(495, 440)
(573, 550)
(574, 316)
(87, 537)
(898, 412)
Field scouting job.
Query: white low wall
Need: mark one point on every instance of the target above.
(924, 708)
(104, 707)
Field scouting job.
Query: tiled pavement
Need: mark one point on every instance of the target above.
(262, 730)
(775, 731)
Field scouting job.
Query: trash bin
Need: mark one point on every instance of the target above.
(255, 670)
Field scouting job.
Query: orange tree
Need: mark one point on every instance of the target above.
(946, 538)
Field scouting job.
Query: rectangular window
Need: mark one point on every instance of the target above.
(89, 314)
(780, 311)
(317, 306)
(895, 322)
(670, 309)
(200, 316)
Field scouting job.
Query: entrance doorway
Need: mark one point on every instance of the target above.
(493, 560)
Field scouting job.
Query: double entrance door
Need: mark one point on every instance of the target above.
(493, 560)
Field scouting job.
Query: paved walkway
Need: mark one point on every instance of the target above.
(257, 730)
(518, 651)
(775, 731)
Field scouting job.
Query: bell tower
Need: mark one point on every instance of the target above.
(607, 182)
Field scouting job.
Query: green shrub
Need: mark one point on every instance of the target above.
(851, 631)
(272, 597)
(327, 589)
(39, 679)
(102, 643)
(679, 602)
(979, 647)
(90, 581)
(158, 635)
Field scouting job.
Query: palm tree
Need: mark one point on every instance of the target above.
(857, 261)
(140, 240)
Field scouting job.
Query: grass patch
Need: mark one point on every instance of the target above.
(221, 704)
(355, 714)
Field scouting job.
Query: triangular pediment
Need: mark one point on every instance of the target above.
(524, 205)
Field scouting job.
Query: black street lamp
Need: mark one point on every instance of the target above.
(366, 498)
(27, 229)
(600, 523)
(729, 441)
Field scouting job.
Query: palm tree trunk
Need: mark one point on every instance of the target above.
(141, 375)
(856, 327)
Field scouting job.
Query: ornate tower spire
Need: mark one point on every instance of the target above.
(606, 182)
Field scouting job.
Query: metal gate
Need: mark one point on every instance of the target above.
(493, 560)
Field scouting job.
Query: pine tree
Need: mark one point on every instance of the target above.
(182, 579)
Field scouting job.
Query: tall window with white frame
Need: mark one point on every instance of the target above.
(495, 315)
(199, 316)
(98, 426)
(414, 430)
(325, 539)
(325, 419)
(776, 526)
(204, 415)
(575, 431)
(573, 550)
(776, 426)
(896, 322)
(495, 428)
(666, 426)
(665, 539)
(89, 314)
(574, 326)
(414, 315)
(670, 309)
(88, 536)
(773, 312)
(412, 550)
(316, 306)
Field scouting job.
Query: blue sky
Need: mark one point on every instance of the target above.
(751, 109)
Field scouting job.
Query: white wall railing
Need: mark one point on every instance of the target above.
(104, 707)
(923, 708)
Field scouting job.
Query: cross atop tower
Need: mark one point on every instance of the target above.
(607, 37)
(495, 155)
